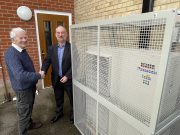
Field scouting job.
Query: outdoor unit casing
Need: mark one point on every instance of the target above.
(124, 87)
(126, 75)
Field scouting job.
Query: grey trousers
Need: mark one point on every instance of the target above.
(24, 105)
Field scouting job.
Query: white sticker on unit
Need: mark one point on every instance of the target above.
(155, 15)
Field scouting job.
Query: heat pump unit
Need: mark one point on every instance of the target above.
(127, 75)
(143, 69)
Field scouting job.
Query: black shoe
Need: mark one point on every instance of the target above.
(34, 126)
(56, 118)
(72, 119)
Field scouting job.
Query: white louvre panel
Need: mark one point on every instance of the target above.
(126, 74)
(170, 102)
(85, 115)
(171, 91)
(82, 38)
(111, 124)
(91, 71)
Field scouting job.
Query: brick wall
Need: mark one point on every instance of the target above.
(9, 20)
(166, 4)
(93, 10)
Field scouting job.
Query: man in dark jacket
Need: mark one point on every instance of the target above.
(59, 55)
(23, 79)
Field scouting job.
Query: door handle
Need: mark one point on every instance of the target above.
(43, 54)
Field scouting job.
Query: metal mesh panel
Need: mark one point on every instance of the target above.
(119, 67)
(176, 38)
(172, 130)
(110, 124)
(130, 72)
(171, 91)
(82, 38)
(147, 34)
(85, 115)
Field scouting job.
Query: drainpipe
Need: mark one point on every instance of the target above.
(146, 30)
(147, 6)
(6, 96)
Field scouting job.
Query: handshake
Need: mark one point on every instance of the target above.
(42, 74)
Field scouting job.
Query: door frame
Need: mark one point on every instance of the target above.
(37, 32)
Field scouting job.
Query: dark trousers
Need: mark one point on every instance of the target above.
(59, 96)
(24, 105)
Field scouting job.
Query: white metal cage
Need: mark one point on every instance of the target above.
(126, 74)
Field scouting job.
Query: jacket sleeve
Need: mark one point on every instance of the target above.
(69, 73)
(47, 61)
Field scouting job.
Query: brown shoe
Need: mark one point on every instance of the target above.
(34, 126)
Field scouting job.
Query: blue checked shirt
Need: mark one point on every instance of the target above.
(60, 57)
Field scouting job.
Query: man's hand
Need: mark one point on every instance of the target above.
(64, 79)
(42, 74)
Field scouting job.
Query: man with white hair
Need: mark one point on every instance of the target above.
(23, 79)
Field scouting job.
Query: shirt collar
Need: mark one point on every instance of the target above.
(63, 45)
(17, 47)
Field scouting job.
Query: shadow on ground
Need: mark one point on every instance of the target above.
(43, 112)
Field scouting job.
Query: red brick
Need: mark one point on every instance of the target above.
(43, 8)
(32, 42)
(20, 23)
(33, 7)
(12, 4)
(32, 36)
(67, 10)
(2, 3)
(2, 36)
(3, 50)
(26, 27)
(3, 10)
(7, 29)
(63, 7)
(43, 1)
(70, 2)
(38, 4)
(9, 22)
(30, 51)
(51, 2)
(5, 40)
(8, 15)
(5, 33)
(27, 2)
(14, 19)
(14, 26)
(66, 4)
(16, 1)
(6, 47)
(55, 6)
(52, 9)
(1, 23)
(11, 11)
(6, 7)
(71, 8)
(45, 4)
(33, 0)
(63, 1)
